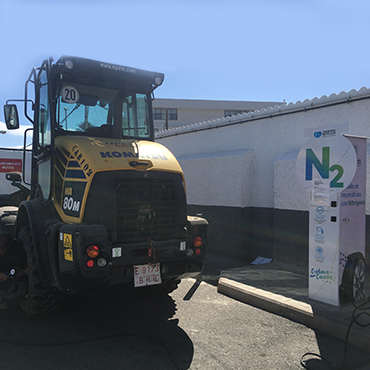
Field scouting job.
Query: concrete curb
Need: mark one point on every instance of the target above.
(311, 315)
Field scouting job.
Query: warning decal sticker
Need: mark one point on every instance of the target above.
(67, 244)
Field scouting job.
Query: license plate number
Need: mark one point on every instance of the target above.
(147, 275)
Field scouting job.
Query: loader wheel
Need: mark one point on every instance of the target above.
(39, 300)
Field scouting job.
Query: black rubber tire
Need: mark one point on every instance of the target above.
(39, 300)
(353, 278)
(358, 280)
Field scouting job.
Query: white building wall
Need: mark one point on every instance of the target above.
(216, 179)
(249, 160)
(288, 193)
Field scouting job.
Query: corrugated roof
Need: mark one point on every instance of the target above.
(363, 93)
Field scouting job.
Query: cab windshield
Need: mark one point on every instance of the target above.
(96, 111)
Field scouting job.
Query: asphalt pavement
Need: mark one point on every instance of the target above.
(283, 289)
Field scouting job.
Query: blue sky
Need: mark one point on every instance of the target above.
(261, 50)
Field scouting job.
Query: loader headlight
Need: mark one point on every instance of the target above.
(68, 64)
(158, 81)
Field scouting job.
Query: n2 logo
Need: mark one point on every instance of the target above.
(323, 168)
(331, 159)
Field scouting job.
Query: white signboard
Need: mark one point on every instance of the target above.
(333, 173)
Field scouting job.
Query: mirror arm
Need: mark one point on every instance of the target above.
(26, 100)
(21, 100)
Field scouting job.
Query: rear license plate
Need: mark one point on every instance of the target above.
(147, 275)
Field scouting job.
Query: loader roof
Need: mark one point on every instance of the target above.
(87, 71)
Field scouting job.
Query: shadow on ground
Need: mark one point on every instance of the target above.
(113, 330)
(215, 263)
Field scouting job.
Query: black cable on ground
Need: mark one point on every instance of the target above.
(317, 356)
(355, 319)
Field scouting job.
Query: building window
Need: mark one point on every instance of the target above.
(172, 114)
(229, 113)
(160, 114)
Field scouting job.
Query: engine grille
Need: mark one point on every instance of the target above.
(147, 207)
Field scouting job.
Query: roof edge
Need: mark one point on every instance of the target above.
(307, 104)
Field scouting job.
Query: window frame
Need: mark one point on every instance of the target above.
(161, 114)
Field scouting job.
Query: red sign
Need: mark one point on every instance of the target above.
(10, 165)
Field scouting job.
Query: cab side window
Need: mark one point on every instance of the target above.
(44, 127)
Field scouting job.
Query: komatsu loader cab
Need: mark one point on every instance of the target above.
(107, 204)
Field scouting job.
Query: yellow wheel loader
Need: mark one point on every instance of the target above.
(106, 204)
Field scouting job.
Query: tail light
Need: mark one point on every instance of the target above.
(92, 251)
(198, 241)
(90, 263)
(197, 244)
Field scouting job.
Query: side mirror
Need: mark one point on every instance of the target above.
(11, 116)
(14, 176)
